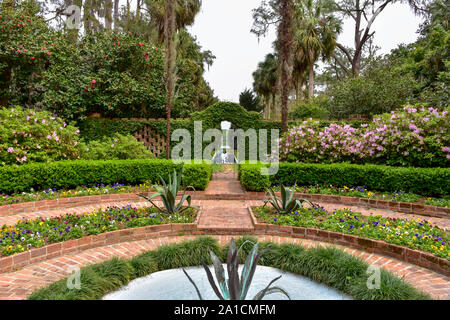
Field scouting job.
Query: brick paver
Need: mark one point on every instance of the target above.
(21, 283)
(230, 214)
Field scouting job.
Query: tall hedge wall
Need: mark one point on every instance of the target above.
(94, 129)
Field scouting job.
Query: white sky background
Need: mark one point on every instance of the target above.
(223, 26)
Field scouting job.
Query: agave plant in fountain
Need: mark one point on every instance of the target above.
(236, 288)
(168, 193)
(286, 203)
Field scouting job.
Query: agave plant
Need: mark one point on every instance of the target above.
(235, 288)
(168, 193)
(285, 204)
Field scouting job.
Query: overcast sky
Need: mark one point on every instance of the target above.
(223, 26)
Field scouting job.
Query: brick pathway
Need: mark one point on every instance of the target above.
(21, 283)
(228, 212)
(220, 215)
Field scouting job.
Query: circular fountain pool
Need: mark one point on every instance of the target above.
(174, 285)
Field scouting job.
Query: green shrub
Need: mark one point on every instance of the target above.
(70, 174)
(117, 147)
(423, 181)
(316, 109)
(28, 136)
(196, 175)
(251, 177)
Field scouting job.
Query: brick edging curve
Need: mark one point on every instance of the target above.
(420, 258)
(417, 257)
(404, 207)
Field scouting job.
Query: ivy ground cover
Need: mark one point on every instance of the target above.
(36, 233)
(416, 234)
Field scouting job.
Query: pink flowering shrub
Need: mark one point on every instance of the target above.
(412, 136)
(27, 135)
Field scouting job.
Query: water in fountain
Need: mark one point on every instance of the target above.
(173, 285)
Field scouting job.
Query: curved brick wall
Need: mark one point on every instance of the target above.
(420, 258)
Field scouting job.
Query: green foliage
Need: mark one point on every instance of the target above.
(286, 204)
(329, 266)
(28, 136)
(70, 174)
(227, 111)
(168, 194)
(315, 108)
(197, 175)
(235, 289)
(115, 73)
(117, 147)
(251, 177)
(423, 181)
(380, 88)
(250, 101)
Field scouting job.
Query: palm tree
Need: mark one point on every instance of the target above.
(315, 36)
(265, 81)
(169, 16)
(285, 40)
(185, 13)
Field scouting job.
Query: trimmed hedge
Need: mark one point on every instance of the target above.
(251, 177)
(197, 175)
(71, 174)
(422, 181)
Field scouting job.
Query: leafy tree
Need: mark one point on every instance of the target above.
(315, 33)
(379, 89)
(265, 81)
(364, 14)
(250, 101)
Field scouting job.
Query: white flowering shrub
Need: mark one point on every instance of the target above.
(27, 136)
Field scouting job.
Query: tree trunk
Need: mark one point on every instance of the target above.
(285, 38)
(138, 10)
(116, 14)
(311, 81)
(5, 81)
(87, 8)
(108, 14)
(299, 86)
(170, 33)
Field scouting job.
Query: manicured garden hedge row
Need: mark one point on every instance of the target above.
(70, 174)
(423, 181)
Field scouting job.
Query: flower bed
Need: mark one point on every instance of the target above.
(362, 192)
(37, 233)
(415, 234)
(53, 193)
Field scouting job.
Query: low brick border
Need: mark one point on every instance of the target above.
(404, 207)
(53, 250)
(420, 258)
